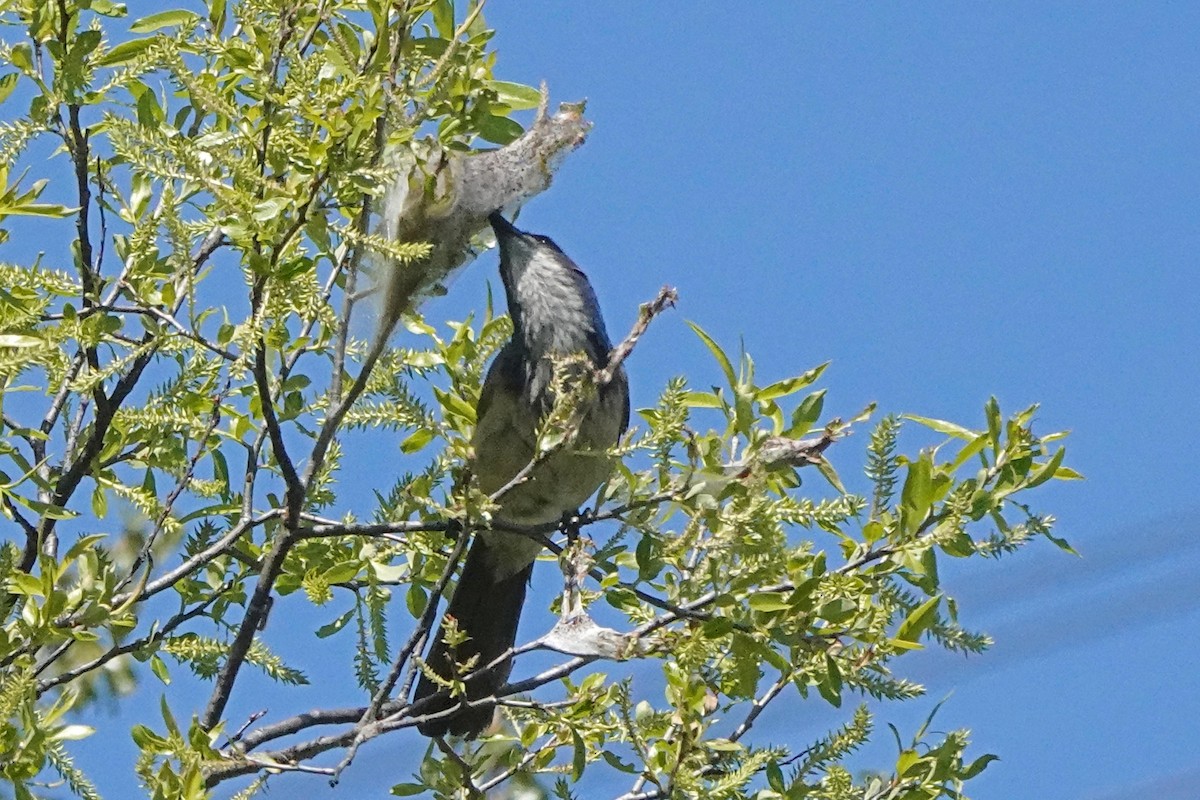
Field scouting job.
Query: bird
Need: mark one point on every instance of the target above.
(555, 316)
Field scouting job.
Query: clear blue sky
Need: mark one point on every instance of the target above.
(949, 201)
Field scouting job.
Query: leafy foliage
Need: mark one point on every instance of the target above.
(180, 382)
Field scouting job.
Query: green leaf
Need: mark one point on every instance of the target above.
(718, 354)
(907, 760)
(917, 495)
(7, 84)
(790, 385)
(216, 16)
(1048, 470)
(85, 43)
(455, 405)
(330, 628)
(73, 733)
(920, 734)
(147, 739)
(830, 474)
(837, 610)
(416, 598)
(26, 584)
(616, 763)
(1061, 543)
(45, 509)
(168, 717)
(516, 96)
(992, 411)
(124, 52)
(978, 765)
(21, 57)
(499, 130)
(81, 544)
(831, 687)
(775, 777)
(941, 426)
(806, 415)
(159, 668)
(443, 17)
(407, 789)
(18, 340)
(417, 440)
(579, 760)
(969, 450)
(107, 8)
(769, 601)
(51, 210)
(340, 573)
(164, 19)
(919, 620)
(901, 644)
(702, 400)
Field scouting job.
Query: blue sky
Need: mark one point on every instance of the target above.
(948, 201)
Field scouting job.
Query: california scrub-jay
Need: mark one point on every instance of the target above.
(555, 315)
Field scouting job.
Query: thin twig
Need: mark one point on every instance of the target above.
(525, 761)
(129, 647)
(284, 766)
(467, 783)
(759, 706)
(250, 720)
(416, 640)
(351, 264)
(667, 297)
(180, 485)
(163, 316)
(199, 560)
(401, 717)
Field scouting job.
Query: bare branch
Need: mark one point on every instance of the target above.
(667, 298)
(295, 489)
(199, 560)
(760, 705)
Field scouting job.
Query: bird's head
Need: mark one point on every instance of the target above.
(549, 298)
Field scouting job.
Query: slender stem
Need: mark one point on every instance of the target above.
(129, 647)
(416, 640)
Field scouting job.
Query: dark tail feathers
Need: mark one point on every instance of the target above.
(487, 611)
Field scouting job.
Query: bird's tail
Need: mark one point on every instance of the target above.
(487, 609)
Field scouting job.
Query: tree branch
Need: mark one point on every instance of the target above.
(256, 612)
(415, 641)
(129, 647)
(667, 298)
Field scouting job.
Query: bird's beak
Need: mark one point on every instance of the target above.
(501, 226)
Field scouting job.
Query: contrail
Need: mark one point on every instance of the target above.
(1051, 606)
